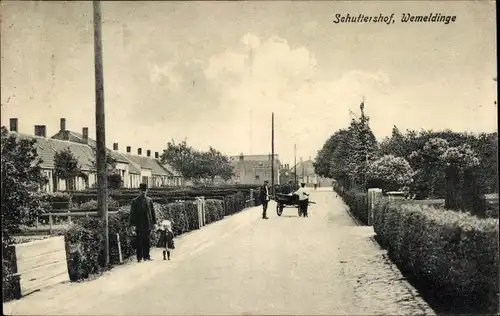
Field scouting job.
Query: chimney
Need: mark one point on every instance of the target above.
(85, 133)
(115, 146)
(157, 155)
(13, 125)
(40, 130)
(129, 149)
(139, 151)
(63, 124)
(148, 153)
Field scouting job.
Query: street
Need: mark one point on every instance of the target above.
(323, 264)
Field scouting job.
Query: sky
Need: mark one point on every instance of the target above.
(211, 73)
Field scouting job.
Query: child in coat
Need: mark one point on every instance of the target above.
(166, 238)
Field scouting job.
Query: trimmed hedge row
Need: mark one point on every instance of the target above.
(84, 241)
(453, 253)
(357, 203)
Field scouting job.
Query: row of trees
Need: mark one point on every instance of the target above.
(346, 154)
(195, 165)
(459, 167)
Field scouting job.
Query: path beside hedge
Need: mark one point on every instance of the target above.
(324, 264)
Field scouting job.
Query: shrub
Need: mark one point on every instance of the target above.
(455, 253)
(114, 181)
(10, 284)
(92, 204)
(390, 173)
(180, 213)
(214, 210)
(234, 203)
(118, 224)
(358, 204)
(84, 248)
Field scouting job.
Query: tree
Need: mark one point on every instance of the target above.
(322, 163)
(22, 178)
(390, 173)
(66, 167)
(115, 180)
(218, 165)
(462, 191)
(197, 165)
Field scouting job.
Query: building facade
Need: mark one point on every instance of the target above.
(254, 169)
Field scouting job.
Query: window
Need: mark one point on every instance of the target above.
(257, 177)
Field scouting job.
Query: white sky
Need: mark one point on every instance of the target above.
(179, 70)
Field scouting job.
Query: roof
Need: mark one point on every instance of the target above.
(74, 137)
(148, 163)
(254, 157)
(47, 147)
(308, 167)
(118, 156)
(136, 163)
(171, 169)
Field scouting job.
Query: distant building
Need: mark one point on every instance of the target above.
(286, 174)
(307, 174)
(254, 169)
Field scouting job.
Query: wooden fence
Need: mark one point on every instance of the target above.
(69, 214)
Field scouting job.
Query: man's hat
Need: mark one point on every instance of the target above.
(143, 187)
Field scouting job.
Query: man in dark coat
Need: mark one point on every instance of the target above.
(264, 198)
(142, 220)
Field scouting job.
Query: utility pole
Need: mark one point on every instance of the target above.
(272, 153)
(302, 166)
(362, 107)
(295, 164)
(102, 181)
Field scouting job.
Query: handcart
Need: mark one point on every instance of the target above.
(287, 200)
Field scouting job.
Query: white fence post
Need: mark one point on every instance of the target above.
(203, 210)
(120, 257)
(373, 196)
(198, 207)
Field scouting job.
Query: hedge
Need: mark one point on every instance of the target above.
(125, 196)
(84, 241)
(357, 203)
(452, 253)
(214, 210)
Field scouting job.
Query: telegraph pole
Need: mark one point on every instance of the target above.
(272, 153)
(295, 164)
(362, 107)
(302, 166)
(102, 181)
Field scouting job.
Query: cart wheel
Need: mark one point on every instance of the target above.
(279, 209)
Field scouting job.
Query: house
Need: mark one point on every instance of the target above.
(47, 148)
(307, 174)
(133, 169)
(254, 169)
(152, 171)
